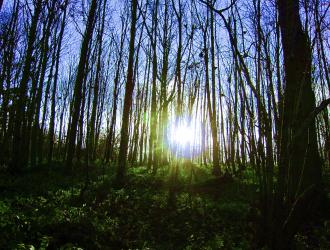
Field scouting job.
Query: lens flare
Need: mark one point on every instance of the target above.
(183, 135)
(184, 138)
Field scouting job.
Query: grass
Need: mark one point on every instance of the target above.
(47, 208)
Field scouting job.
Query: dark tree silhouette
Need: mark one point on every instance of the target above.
(124, 133)
(20, 142)
(300, 185)
(77, 95)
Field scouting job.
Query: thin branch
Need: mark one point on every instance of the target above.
(218, 11)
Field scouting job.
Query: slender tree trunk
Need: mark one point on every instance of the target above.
(92, 124)
(19, 141)
(51, 132)
(72, 131)
(152, 161)
(124, 135)
(36, 108)
(109, 152)
(9, 44)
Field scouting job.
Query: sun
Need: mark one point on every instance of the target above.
(183, 135)
(184, 138)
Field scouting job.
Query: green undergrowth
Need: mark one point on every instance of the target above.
(51, 208)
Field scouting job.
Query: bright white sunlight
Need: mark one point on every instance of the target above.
(182, 135)
(184, 138)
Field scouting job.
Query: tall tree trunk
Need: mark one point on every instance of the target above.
(72, 131)
(124, 134)
(9, 43)
(92, 124)
(36, 108)
(51, 131)
(152, 161)
(19, 141)
(213, 111)
(109, 152)
(300, 164)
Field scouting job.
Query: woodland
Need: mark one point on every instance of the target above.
(165, 124)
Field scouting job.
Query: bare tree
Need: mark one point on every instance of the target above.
(72, 132)
(122, 158)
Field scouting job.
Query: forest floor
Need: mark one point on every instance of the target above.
(49, 208)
